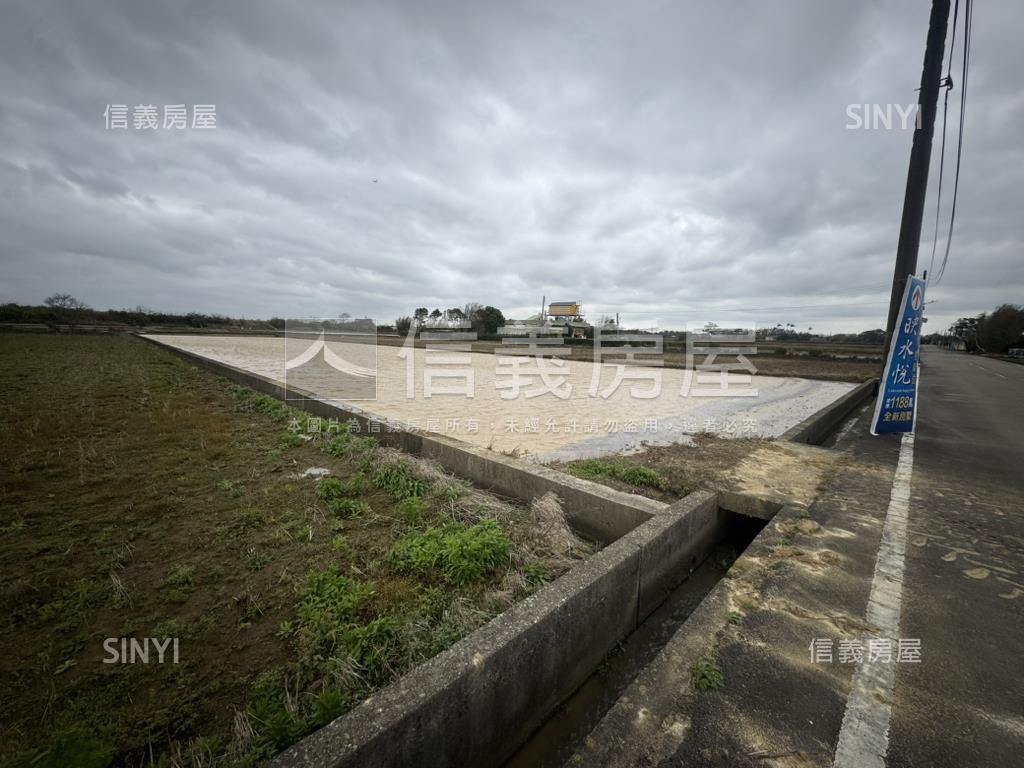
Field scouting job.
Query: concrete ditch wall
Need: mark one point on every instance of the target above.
(477, 702)
(817, 427)
(594, 510)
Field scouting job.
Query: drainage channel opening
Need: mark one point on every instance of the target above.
(558, 738)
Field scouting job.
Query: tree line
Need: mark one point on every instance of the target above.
(485, 320)
(997, 331)
(65, 309)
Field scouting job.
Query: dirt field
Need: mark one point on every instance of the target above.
(809, 360)
(141, 498)
(594, 417)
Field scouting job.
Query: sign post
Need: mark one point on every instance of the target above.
(896, 406)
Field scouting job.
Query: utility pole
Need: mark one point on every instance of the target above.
(920, 159)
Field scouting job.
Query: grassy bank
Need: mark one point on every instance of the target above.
(143, 498)
(669, 472)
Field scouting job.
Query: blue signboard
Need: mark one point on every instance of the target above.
(896, 406)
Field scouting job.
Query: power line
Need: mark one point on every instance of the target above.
(868, 289)
(968, 24)
(865, 290)
(748, 309)
(942, 152)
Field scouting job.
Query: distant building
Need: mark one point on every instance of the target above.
(567, 315)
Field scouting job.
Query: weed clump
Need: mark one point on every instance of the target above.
(181, 577)
(348, 508)
(257, 561)
(376, 646)
(339, 446)
(337, 494)
(536, 574)
(274, 726)
(179, 583)
(328, 488)
(330, 599)
(623, 471)
(328, 706)
(252, 401)
(330, 618)
(331, 488)
(705, 674)
(400, 481)
(413, 510)
(461, 554)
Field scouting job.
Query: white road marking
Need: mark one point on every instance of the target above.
(986, 370)
(864, 736)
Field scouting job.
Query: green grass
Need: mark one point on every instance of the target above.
(348, 508)
(145, 497)
(232, 488)
(329, 598)
(413, 510)
(400, 481)
(256, 402)
(257, 561)
(536, 574)
(461, 554)
(337, 494)
(617, 469)
(705, 674)
(181, 577)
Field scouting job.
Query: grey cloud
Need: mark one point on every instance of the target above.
(663, 159)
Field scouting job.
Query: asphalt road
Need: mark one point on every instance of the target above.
(963, 705)
(961, 595)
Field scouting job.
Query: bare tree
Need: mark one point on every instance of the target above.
(64, 301)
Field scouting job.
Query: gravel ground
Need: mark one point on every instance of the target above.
(535, 423)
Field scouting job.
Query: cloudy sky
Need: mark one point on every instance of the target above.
(673, 161)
